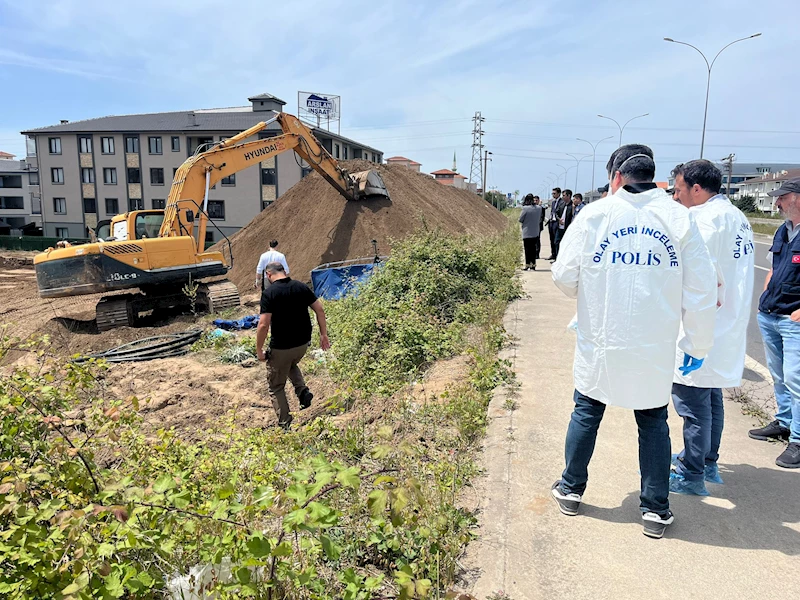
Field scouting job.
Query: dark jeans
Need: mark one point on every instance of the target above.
(559, 236)
(654, 451)
(532, 248)
(703, 416)
(552, 227)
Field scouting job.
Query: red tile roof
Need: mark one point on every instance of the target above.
(397, 158)
(443, 172)
(6, 155)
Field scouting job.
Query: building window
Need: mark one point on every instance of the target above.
(174, 172)
(11, 181)
(134, 175)
(154, 145)
(112, 206)
(268, 177)
(209, 236)
(30, 145)
(107, 144)
(304, 171)
(85, 144)
(89, 206)
(60, 206)
(216, 209)
(265, 204)
(157, 176)
(336, 150)
(62, 233)
(33, 178)
(55, 145)
(57, 175)
(36, 205)
(132, 144)
(345, 152)
(176, 143)
(87, 175)
(159, 203)
(135, 204)
(229, 180)
(110, 176)
(12, 203)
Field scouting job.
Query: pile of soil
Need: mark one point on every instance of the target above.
(316, 225)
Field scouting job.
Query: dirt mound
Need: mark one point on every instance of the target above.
(315, 225)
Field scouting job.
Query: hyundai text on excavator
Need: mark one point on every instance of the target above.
(161, 251)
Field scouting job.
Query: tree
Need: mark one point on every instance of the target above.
(746, 204)
(497, 199)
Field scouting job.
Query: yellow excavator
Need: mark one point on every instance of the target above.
(161, 251)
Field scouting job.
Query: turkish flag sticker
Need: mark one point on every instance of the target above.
(796, 259)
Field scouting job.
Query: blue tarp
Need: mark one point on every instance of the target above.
(248, 322)
(334, 282)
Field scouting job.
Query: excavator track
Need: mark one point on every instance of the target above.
(219, 296)
(113, 312)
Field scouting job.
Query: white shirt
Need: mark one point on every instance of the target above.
(729, 239)
(639, 268)
(269, 257)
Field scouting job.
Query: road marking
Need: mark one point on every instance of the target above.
(757, 367)
(763, 243)
(760, 267)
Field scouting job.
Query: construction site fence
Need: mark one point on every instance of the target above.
(29, 242)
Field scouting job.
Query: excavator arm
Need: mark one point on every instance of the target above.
(199, 173)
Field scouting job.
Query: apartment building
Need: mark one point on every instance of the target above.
(94, 169)
(20, 207)
(404, 162)
(759, 187)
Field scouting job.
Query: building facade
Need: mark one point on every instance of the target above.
(91, 170)
(759, 187)
(20, 206)
(743, 172)
(404, 162)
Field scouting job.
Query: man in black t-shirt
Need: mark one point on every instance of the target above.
(284, 305)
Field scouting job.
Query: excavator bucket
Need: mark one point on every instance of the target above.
(368, 183)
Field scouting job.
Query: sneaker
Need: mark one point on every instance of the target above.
(567, 503)
(526, 268)
(305, 399)
(790, 459)
(679, 485)
(711, 474)
(773, 431)
(533, 266)
(654, 524)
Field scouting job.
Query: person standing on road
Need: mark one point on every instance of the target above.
(538, 202)
(284, 306)
(697, 395)
(531, 219)
(638, 266)
(779, 321)
(577, 204)
(552, 223)
(564, 216)
(269, 256)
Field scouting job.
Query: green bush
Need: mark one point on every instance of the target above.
(414, 310)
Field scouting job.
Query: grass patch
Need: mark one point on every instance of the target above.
(358, 507)
(765, 228)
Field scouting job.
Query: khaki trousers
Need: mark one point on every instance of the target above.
(282, 365)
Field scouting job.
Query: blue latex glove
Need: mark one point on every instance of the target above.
(690, 363)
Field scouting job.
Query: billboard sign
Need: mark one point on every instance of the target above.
(323, 106)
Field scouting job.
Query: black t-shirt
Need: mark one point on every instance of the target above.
(288, 301)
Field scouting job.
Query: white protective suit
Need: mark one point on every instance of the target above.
(638, 266)
(729, 239)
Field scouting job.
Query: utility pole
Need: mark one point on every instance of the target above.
(486, 160)
(477, 146)
(728, 160)
(594, 153)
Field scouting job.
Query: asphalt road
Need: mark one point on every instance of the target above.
(755, 346)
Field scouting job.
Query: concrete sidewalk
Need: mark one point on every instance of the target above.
(742, 542)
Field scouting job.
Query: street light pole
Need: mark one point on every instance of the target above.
(622, 127)
(594, 152)
(708, 81)
(577, 167)
(566, 170)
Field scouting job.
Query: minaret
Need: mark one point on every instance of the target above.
(455, 169)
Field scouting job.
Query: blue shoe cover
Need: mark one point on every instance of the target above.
(712, 474)
(679, 485)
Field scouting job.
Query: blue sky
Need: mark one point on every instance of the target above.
(411, 74)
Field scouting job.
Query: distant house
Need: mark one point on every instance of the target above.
(758, 187)
(6, 156)
(404, 162)
(458, 181)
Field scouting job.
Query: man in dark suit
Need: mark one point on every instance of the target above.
(563, 217)
(552, 223)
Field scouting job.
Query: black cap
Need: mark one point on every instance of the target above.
(603, 189)
(790, 186)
